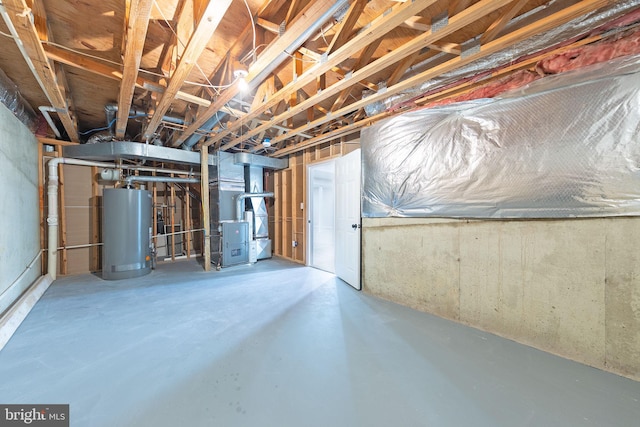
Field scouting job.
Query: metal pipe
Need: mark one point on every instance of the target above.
(45, 110)
(131, 179)
(52, 197)
(241, 197)
(112, 109)
(286, 53)
(206, 127)
(160, 170)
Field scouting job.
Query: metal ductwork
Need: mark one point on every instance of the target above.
(111, 111)
(127, 150)
(206, 127)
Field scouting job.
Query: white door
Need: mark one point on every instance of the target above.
(348, 218)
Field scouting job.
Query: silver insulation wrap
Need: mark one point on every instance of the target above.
(564, 146)
(576, 28)
(10, 96)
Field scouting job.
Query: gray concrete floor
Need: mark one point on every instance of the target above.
(277, 344)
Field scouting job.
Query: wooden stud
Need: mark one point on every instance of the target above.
(63, 216)
(187, 219)
(277, 237)
(41, 205)
(172, 211)
(95, 220)
(204, 196)
(154, 201)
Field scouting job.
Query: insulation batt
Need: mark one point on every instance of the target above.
(622, 45)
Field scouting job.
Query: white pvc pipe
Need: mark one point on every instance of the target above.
(52, 197)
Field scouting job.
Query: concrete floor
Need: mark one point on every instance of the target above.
(277, 344)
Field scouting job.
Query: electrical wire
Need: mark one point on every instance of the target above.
(80, 52)
(253, 27)
(108, 126)
(210, 85)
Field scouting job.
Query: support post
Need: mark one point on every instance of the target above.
(204, 185)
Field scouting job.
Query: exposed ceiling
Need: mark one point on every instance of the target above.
(314, 67)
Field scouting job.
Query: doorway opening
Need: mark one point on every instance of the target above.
(333, 217)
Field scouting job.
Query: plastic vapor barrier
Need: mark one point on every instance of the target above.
(563, 146)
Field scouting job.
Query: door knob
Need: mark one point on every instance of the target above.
(355, 226)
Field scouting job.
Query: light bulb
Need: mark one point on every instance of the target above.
(242, 82)
(243, 85)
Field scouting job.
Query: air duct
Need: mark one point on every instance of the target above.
(241, 197)
(206, 127)
(111, 111)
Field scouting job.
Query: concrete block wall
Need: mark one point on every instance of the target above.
(19, 208)
(569, 287)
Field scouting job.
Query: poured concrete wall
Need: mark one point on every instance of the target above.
(569, 287)
(19, 208)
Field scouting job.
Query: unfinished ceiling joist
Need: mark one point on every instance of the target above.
(136, 35)
(18, 17)
(316, 69)
(556, 19)
(205, 30)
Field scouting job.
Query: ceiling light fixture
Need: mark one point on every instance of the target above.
(241, 75)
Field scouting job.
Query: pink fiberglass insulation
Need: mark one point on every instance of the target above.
(625, 44)
(490, 90)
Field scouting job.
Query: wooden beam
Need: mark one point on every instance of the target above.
(172, 217)
(114, 73)
(268, 25)
(212, 16)
(165, 62)
(41, 205)
(363, 60)
(18, 19)
(417, 23)
(204, 196)
(187, 219)
(495, 28)
(63, 216)
(378, 28)
(136, 35)
(452, 48)
(51, 141)
(345, 28)
(294, 8)
(461, 20)
(556, 19)
(468, 86)
(457, 6)
(401, 68)
(270, 56)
